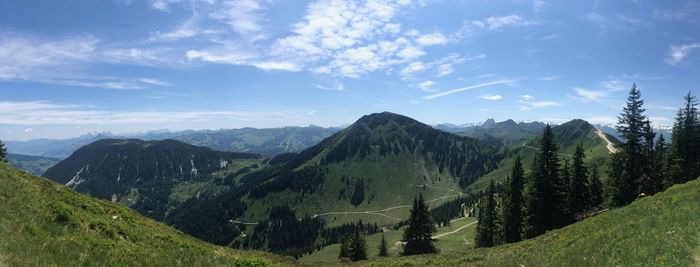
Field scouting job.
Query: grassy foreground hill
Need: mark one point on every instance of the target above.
(46, 224)
(661, 230)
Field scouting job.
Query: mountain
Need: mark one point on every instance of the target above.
(150, 176)
(54, 148)
(488, 123)
(36, 165)
(567, 136)
(46, 224)
(371, 171)
(270, 141)
(505, 132)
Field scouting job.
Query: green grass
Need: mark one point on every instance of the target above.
(660, 230)
(450, 243)
(46, 224)
(394, 181)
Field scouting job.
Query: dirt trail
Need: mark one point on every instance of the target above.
(455, 231)
(611, 147)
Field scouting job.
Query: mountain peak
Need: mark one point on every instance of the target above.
(489, 123)
(383, 118)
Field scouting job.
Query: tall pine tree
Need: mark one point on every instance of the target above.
(544, 199)
(596, 189)
(3, 152)
(512, 214)
(358, 247)
(579, 193)
(383, 250)
(486, 229)
(685, 142)
(418, 234)
(648, 181)
(624, 178)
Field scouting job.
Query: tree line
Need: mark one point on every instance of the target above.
(556, 192)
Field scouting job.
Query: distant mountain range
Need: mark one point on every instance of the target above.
(270, 141)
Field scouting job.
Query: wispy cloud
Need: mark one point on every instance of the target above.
(427, 86)
(492, 97)
(527, 97)
(432, 39)
(453, 91)
(529, 105)
(335, 87)
(678, 53)
(49, 113)
(590, 95)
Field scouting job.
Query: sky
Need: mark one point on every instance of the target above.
(78, 66)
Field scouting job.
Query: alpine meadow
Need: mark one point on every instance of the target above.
(349, 133)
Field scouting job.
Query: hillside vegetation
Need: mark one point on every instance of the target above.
(46, 224)
(661, 230)
(36, 165)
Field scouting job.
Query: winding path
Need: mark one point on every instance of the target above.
(611, 147)
(455, 231)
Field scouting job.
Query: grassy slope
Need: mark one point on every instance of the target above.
(446, 244)
(46, 224)
(660, 230)
(380, 174)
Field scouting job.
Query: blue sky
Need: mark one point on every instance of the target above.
(71, 67)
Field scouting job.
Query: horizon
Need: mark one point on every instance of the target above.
(207, 65)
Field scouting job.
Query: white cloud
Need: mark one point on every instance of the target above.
(413, 68)
(49, 113)
(538, 5)
(277, 65)
(678, 53)
(431, 39)
(527, 97)
(590, 95)
(28, 131)
(614, 85)
(549, 78)
(491, 97)
(335, 87)
(594, 17)
(446, 93)
(349, 39)
(426, 86)
(153, 81)
(497, 22)
(528, 105)
(243, 16)
(311, 113)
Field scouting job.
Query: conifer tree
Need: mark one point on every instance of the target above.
(596, 189)
(486, 228)
(383, 250)
(3, 152)
(512, 218)
(631, 158)
(418, 234)
(543, 199)
(647, 182)
(579, 192)
(685, 142)
(660, 167)
(344, 248)
(358, 247)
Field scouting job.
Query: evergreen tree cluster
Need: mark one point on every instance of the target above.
(334, 235)
(354, 247)
(283, 233)
(554, 194)
(417, 237)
